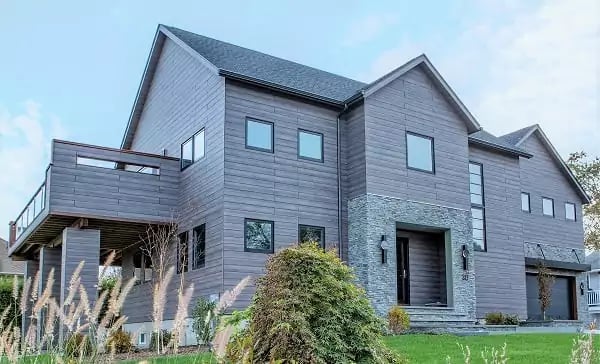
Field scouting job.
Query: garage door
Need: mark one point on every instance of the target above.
(561, 307)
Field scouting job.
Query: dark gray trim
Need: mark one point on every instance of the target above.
(432, 151)
(556, 264)
(272, 150)
(300, 130)
(252, 250)
(553, 207)
(499, 148)
(300, 226)
(574, 211)
(528, 202)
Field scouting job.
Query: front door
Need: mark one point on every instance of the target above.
(403, 271)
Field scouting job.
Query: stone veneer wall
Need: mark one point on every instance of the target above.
(370, 216)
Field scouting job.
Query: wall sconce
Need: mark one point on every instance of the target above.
(582, 288)
(465, 257)
(384, 249)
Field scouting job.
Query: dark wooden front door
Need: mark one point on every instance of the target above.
(402, 271)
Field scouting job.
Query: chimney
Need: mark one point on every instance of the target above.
(12, 233)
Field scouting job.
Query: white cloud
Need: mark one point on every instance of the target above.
(24, 155)
(368, 28)
(516, 65)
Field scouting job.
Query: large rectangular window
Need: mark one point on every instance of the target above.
(311, 234)
(419, 152)
(548, 206)
(199, 246)
(570, 211)
(259, 135)
(182, 252)
(310, 145)
(258, 236)
(525, 202)
(192, 150)
(477, 205)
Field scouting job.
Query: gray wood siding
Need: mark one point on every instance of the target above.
(500, 272)
(413, 103)
(185, 97)
(541, 176)
(274, 186)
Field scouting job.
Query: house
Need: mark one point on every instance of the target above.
(7, 265)
(253, 153)
(593, 284)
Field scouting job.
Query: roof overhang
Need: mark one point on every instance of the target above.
(499, 148)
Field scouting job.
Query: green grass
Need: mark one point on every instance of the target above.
(521, 348)
(177, 359)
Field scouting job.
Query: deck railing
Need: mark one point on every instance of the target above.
(594, 298)
(34, 207)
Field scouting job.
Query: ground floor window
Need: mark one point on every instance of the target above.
(258, 236)
(182, 252)
(311, 234)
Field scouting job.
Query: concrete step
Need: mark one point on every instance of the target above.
(443, 323)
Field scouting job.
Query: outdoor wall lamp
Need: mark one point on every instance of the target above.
(582, 288)
(465, 257)
(384, 249)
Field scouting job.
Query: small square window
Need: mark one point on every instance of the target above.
(199, 145)
(570, 211)
(548, 206)
(259, 135)
(187, 153)
(525, 202)
(258, 236)
(199, 246)
(182, 252)
(311, 234)
(142, 340)
(419, 152)
(310, 145)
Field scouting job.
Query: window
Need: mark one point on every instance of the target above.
(477, 205)
(182, 253)
(259, 135)
(419, 152)
(199, 246)
(311, 234)
(570, 211)
(192, 150)
(310, 145)
(258, 236)
(147, 264)
(137, 266)
(142, 340)
(525, 202)
(548, 206)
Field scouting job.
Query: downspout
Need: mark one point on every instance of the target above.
(339, 178)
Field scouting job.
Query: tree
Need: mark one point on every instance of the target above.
(545, 282)
(587, 171)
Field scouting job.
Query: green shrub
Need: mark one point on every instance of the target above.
(119, 342)
(10, 300)
(106, 284)
(494, 318)
(398, 320)
(78, 345)
(165, 339)
(511, 320)
(204, 320)
(307, 309)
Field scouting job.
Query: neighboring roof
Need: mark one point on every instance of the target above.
(485, 139)
(517, 138)
(7, 265)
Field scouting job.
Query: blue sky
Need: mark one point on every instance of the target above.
(71, 69)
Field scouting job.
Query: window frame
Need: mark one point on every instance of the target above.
(322, 228)
(192, 139)
(574, 211)
(432, 140)
(254, 250)
(305, 131)
(183, 266)
(480, 207)
(195, 263)
(528, 202)
(553, 207)
(270, 123)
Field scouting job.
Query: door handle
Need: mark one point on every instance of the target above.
(404, 275)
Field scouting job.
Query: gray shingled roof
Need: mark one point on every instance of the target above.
(514, 137)
(263, 67)
(484, 137)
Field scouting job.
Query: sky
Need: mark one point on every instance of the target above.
(71, 69)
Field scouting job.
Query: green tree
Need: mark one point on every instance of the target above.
(587, 171)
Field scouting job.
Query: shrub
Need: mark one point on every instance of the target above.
(398, 320)
(164, 339)
(307, 309)
(78, 345)
(204, 320)
(494, 318)
(511, 320)
(119, 342)
(9, 299)
(106, 284)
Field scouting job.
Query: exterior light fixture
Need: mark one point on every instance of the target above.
(465, 257)
(384, 249)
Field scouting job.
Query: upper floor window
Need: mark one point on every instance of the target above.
(259, 135)
(310, 145)
(182, 252)
(548, 206)
(419, 152)
(570, 211)
(477, 205)
(258, 236)
(192, 150)
(525, 202)
(199, 246)
(311, 234)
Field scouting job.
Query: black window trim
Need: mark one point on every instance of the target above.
(320, 160)
(432, 151)
(553, 207)
(193, 140)
(300, 226)
(528, 202)
(574, 211)
(186, 266)
(479, 206)
(194, 246)
(264, 251)
(272, 124)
